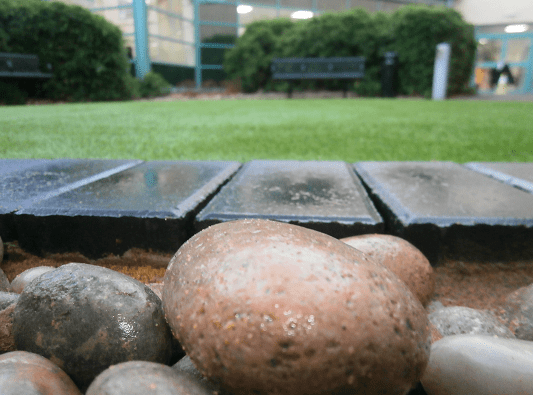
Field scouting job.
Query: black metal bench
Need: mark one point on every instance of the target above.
(22, 70)
(318, 68)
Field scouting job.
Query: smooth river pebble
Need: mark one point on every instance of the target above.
(479, 365)
(24, 373)
(460, 320)
(27, 276)
(268, 307)
(400, 257)
(85, 318)
(144, 378)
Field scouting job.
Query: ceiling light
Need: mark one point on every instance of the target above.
(515, 28)
(302, 14)
(244, 9)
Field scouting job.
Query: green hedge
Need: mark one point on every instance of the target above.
(351, 33)
(416, 31)
(87, 53)
(412, 31)
(249, 61)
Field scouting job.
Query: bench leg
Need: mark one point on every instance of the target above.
(345, 90)
(289, 93)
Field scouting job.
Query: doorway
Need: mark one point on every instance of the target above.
(504, 60)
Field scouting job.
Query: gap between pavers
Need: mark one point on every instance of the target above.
(519, 175)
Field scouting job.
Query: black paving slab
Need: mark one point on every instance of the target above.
(151, 205)
(442, 207)
(325, 196)
(519, 175)
(36, 180)
(11, 165)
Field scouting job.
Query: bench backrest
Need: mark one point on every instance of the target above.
(20, 65)
(318, 68)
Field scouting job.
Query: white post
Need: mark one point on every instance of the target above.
(440, 71)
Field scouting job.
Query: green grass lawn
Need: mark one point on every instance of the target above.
(329, 129)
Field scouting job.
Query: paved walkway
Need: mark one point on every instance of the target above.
(481, 210)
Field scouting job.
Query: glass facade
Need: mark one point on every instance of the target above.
(504, 61)
(194, 33)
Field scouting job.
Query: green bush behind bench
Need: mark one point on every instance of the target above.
(413, 31)
(86, 51)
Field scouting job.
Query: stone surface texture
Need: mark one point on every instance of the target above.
(27, 276)
(479, 365)
(144, 378)
(24, 373)
(325, 196)
(186, 366)
(276, 308)
(4, 282)
(151, 205)
(85, 318)
(459, 320)
(22, 188)
(400, 257)
(8, 302)
(519, 175)
(518, 312)
(435, 333)
(1, 250)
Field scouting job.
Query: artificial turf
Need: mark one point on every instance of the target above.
(328, 129)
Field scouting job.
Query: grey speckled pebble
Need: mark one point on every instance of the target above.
(27, 276)
(459, 320)
(4, 282)
(8, 302)
(186, 366)
(7, 299)
(479, 365)
(145, 378)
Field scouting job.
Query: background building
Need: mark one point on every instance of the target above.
(173, 37)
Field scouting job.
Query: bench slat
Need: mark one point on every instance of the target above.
(318, 68)
(14, 65)
(24, 75)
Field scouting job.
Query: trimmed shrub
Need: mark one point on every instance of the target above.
(10, 94)
(416, 31)
(86, 51)
(249, 61)
(412, 31)
(350, 33)
(153, 84)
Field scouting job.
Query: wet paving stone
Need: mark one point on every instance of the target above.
(26, 182)
(151, 205)
(442, 207)
(11, 165)
(519, 175)
(324, 196)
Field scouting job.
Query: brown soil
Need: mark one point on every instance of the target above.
(458, 283)
(145, 266)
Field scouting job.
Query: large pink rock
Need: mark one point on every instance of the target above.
(400, 257)
(276, 308)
